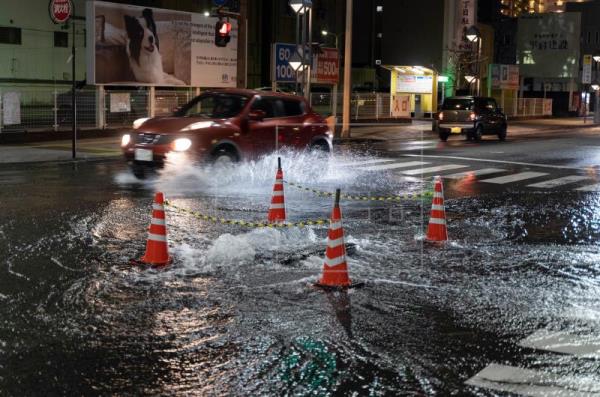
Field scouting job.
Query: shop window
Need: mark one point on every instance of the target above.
(61, 39)
(10, 35)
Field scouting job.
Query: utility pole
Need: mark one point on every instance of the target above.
(347, 71)
(242, 45)
(73, 95)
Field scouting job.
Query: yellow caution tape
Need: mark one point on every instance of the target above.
(400, 197)
(223, 221)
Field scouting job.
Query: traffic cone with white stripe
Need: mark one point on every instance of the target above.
(436, 230)
(157, 248)
(277, 209)
(335, 269)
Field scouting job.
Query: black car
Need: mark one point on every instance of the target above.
(472, 116)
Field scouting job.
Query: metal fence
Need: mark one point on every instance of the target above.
(50, 109)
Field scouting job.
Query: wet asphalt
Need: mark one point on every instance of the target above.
(237, 313)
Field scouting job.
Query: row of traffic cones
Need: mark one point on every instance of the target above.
(335, 268)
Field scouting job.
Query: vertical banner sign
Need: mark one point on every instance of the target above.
(282, 72)
(400, 106)
(465, 18)
(586, 74)
(60, 10)
(326, 68)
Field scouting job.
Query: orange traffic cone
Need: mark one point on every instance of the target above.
(277, 209)
(157, 248)
(436, 230)
(335, 269)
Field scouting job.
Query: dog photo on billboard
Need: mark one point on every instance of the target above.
(130, 47)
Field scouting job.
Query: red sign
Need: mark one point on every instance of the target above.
(327, 70)
(60, 10)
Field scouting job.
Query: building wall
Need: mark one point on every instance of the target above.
(36, 59)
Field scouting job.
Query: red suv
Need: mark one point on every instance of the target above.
(227, 126)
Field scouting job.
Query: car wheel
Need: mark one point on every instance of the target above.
(478, 133)
(138, 171)
(319, 148)
(502, 133)
(224, 157)
(443, 136)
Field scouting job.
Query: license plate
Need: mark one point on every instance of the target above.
(456, 130)
(144, 155)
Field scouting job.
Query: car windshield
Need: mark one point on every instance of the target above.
(214, 106)
(458, 104)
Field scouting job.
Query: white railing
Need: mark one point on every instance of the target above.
(527, 107)
(50, 109)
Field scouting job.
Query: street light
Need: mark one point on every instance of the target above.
(596, 57)
(325, 33)
(470, 78)
(295, 62)
(472, 34)
(300, 6)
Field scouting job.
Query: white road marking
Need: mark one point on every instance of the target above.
(392, 166)
(365, 162)
(483, 171)
(559, 167)
(559, 181)
(501, 180)
(590, 188)
(563, 342)
(528, 382)
(430, 170)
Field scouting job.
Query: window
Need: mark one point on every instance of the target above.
(9, 35)
(292, 108)
(266, 105)
(597, 37)
(589, 36)
(490, 104)
(61, 39)
(214, 106)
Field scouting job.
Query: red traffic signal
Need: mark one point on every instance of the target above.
(222, 30)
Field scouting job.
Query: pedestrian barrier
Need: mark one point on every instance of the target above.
(335, 268)
(277, 209)
(224, 221)
(400, 197)
(436, 230)
(157, 247)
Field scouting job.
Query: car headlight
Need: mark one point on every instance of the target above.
(125, 140)
(181, 144)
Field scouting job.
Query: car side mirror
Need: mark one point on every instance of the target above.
(176, 109)
(257, 115)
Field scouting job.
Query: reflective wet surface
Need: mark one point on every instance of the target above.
(237, 313)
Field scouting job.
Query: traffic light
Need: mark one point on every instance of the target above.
(222, 30)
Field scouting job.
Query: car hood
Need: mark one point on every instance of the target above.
(174, 125)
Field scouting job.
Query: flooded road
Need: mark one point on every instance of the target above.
(237, 313)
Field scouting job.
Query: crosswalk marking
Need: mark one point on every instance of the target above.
(392, 166)
(559, 181)
(483, 171)
(430, 170)
(563, 342)
(590, 188)
(365, 162)
(534, 383)
(514, 177)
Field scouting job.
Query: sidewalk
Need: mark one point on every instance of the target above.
(422, 129)
(87, 149)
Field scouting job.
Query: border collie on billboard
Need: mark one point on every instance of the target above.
(132, 45)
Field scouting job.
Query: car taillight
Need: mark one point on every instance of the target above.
(441, 116)
(473, 116)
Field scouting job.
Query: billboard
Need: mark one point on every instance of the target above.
(326, 67)
(504, 77)
(131, 45)
(414, 84)
(548, 44)
(466, 14)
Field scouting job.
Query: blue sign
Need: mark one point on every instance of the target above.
(282, 71)
(220, 3)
